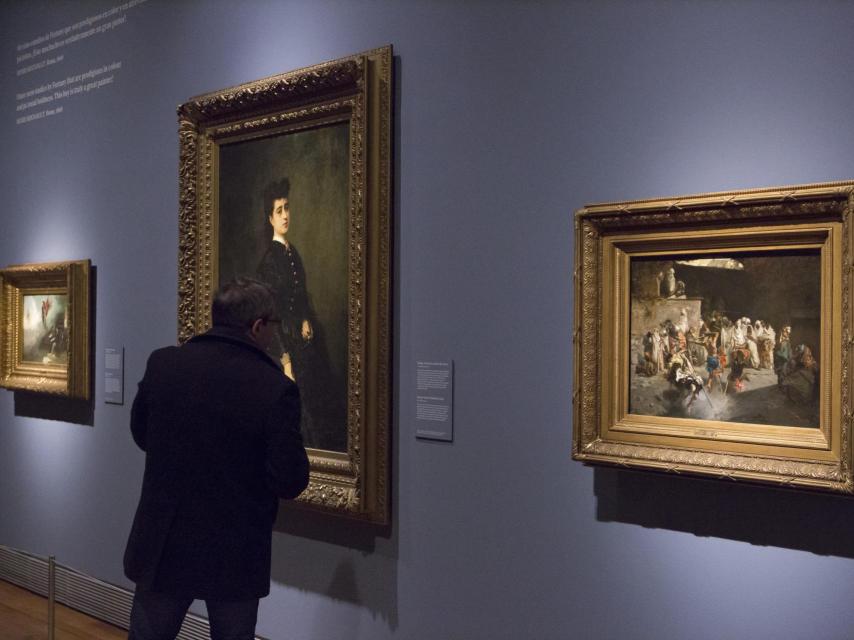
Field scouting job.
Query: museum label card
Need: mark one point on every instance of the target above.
(114, 359)
(434, 400)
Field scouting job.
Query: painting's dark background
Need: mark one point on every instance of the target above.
(317, 163)
(510, 115)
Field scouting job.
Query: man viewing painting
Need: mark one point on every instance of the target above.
(700, 355)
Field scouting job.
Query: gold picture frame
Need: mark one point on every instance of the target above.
(742, 373)
(45, 323)
(325, 130)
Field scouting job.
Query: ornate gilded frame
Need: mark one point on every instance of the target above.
(71, 378)
(607, 236)
(356, 88)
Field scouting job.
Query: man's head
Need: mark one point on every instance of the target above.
(277, 206)
(245, 303)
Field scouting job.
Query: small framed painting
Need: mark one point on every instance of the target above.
(45, 322)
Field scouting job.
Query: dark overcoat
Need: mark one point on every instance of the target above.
(219, 423)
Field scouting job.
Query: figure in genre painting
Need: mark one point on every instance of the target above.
(706, 348)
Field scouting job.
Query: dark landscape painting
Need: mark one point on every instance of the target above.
(45, 329)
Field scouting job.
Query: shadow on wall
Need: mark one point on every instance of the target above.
(345, 560)
(44, 407)
(760, 515)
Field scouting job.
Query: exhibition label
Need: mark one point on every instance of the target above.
(434, 400)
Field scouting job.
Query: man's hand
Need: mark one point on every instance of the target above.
(287, 367)
(307, 333)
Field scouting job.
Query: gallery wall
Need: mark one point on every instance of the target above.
(509, 116)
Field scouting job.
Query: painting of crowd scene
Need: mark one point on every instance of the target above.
(730, 337)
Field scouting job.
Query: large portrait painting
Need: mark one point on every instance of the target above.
(283, 205)
(287, 180)
(45, 328)
(713, 335)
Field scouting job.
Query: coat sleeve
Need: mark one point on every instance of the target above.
(139, 411)
(287, 462)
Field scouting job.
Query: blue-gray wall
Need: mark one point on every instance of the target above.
(510, 115)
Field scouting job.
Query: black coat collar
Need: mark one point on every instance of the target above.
(238, 336)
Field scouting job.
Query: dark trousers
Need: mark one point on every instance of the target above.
(158, 616)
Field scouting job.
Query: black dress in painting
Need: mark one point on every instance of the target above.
(323, 420)
(281, 268)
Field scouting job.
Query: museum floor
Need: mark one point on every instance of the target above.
(23, 616)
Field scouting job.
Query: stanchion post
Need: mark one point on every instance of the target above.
(51, 596)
